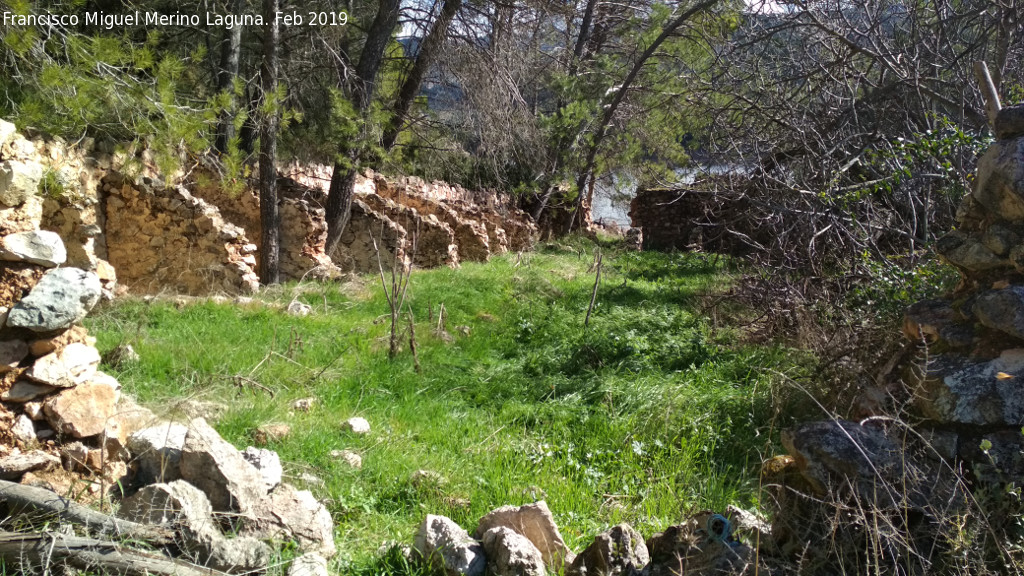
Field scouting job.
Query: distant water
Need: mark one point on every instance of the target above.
(613, 195)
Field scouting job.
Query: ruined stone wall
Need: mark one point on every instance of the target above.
(163, 238)
(694, 218)
(962, 392)
(303, 229)
(199, 238)
(447, 225)
(429, 242)
(491, 226)
(357, 251)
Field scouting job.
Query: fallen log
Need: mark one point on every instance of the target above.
(21, 499)
(45, 550)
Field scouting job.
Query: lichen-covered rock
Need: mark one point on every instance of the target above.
(511, 554)
(620, 551)
(968, 253)
(536, 523)
(836, 452)
(935, 321)
(37, 247)
(1002, 310)
(957, 390)
(63, 296)
(1000, 239)
(446, 546)
(1000, 183)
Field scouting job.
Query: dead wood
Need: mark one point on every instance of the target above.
(20, 499)
(43, 550)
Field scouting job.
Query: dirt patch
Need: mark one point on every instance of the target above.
(16, 280)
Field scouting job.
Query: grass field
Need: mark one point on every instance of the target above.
(655, 409)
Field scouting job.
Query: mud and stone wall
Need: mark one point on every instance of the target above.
(162, 238)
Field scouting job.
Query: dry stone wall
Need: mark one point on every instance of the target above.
(368, 232)
(963, 392)
(199, 238)
(163, 238)
(430, 242)
(303, 229)
(453, 224)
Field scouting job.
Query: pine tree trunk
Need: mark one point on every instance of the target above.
(270, 217)
(231, 52)
(343, 179)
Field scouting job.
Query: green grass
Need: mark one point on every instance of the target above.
(650, 413)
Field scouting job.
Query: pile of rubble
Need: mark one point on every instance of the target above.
(525, 541)
(64, 425)
(880, 494)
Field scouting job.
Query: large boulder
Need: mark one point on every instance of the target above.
(535, 522)
(185, 508)
(1000, 184)
(956, 390)
(19, 181)
(1002, 310)
(446, 546)
(68, 367)
(84, 410)
(511, 554)
(213, 465)
(292, 514)
(156, 452)
(838, 452)
(620, 551)
(40, 247)
(63, 297)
